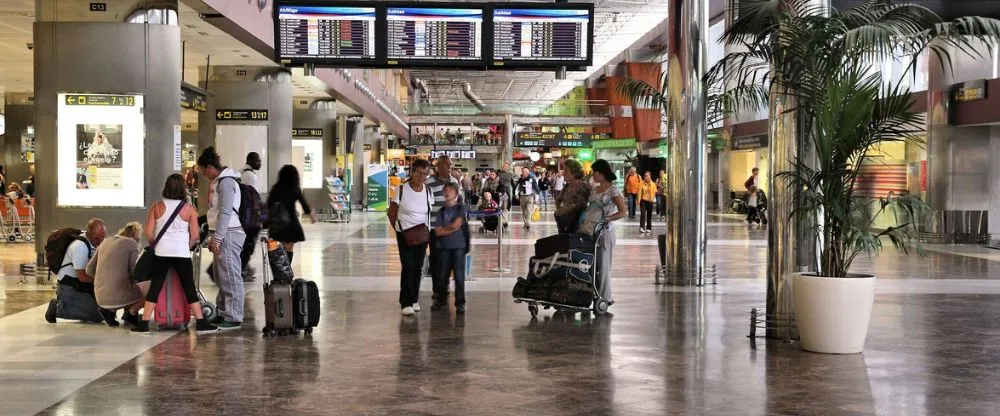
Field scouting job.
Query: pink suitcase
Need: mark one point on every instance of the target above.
(172, 311)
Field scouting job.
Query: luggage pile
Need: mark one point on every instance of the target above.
(561, 273)
(290, 304)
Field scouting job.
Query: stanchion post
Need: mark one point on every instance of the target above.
(500, 268)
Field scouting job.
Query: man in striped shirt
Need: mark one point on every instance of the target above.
(442, 175)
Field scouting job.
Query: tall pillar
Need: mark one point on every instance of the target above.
(507, 147)
(234, 121)
(685, 240)
(790, 246)
(318, 115)
(356, 130)
(134, 106)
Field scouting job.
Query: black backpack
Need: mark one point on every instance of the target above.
(57, 245)
(252, 212)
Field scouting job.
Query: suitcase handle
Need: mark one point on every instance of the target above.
(279, 308)
(302, 306)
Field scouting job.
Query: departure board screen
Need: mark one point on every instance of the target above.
(325, 34)
(434, 35)
(541, 36)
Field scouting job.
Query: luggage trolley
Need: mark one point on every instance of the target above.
(17, 219)
(539, 267)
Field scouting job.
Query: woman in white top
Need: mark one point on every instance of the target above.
(410, 209)
(173, 250)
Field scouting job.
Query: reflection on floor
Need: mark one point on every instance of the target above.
(933, 347)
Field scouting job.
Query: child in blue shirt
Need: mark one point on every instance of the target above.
(453, 240)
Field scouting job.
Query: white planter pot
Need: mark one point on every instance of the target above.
(832, 314)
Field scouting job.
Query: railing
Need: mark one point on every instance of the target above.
(569, 108)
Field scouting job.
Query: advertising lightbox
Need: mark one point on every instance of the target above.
(307, 156)
(100, 150)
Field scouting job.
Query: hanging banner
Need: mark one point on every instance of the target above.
(378, 187)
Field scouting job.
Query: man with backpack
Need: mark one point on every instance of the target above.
(224, 220)
(67, 253)
(249, 177)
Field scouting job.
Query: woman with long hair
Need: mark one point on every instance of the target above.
(606, 205)
(281, 202)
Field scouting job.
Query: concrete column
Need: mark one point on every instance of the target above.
(319, 115)
(507, 147)
(994, 186)
(103, 53)
(248, 88)
(685, 242)
(356, 130)
(19, 116)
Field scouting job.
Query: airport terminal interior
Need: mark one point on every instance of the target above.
(644, 218)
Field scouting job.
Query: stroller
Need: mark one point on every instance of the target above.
(566, 281)
(490, 216)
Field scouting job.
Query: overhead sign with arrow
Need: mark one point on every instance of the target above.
(226, 114)
(100, 99)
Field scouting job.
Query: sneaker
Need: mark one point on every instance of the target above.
(416, 307)
(141, 327)
(227, 325)
(460, 310)
(131, 319)
(203, 327)
(408, 311)
(109, 317)
(50, 313)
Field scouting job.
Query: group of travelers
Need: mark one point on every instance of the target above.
(97, 276)
(14, 190)
(648, 195)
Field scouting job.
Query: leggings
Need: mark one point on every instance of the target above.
(185, 273)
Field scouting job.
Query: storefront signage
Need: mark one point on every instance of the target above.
(240, 115)
(749, 142)
(411, 151)
(969, 91)
(614, 144)
(98, 7)
(537, 139)
(192, 99)
(395, 154)
(100, 150)
(454, 154)
(99, 99)
(307, 132)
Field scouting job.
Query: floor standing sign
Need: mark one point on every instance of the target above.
(101, 150)
(378, 187)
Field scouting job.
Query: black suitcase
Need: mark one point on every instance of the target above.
(305, 305)
(562, 243)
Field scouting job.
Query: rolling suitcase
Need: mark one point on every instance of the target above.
(278, 302)
(305, 305)
(172, 311)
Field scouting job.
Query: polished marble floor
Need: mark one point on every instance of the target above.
(933, 346)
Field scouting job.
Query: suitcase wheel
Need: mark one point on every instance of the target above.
(309, 331)
(533, 310)
(266, 331)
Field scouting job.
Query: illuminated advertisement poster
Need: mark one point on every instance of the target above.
(307, 157)
(100, 151)
(378, 187)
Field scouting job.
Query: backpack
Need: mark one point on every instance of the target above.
(57, 245)
(253, 211)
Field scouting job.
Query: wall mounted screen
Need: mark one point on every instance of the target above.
(434, 35)
(533, 36)
(325, 34)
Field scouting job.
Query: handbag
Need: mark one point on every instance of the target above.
(144, 264)
(417, 234)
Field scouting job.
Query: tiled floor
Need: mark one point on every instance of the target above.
(933, 346)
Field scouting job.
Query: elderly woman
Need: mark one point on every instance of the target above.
(112, 267)
(573, 199)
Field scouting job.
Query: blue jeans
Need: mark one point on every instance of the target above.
(544, 195)
(631, 205)
(452, 260)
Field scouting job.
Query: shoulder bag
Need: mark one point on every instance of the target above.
(418, 234)
(144, 264)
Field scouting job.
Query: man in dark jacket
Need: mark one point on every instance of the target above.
(527, 190)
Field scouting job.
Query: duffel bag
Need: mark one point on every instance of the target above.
(562, 243)
(570, 291)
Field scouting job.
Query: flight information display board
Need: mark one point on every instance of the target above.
(325, 34)
(432, 35)
(525, 35)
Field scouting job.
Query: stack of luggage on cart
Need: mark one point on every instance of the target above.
(561, 272)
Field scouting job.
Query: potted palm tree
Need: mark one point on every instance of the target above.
(814, 64)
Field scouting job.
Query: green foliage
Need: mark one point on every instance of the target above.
(817, 64)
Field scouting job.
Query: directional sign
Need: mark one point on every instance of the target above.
(100, 99)
(240, 115)
(307, 132)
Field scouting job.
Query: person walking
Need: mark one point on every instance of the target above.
(410, 215)
(227, 237)
(249, 177)
(285, 193)
(661, 195)
(632, 181)
(647, 197)
(606, 205)
(558, 183)
(172, 228)
(544, 185)
(527, 189)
